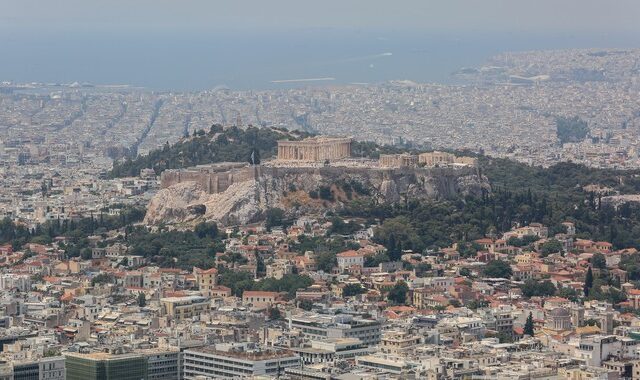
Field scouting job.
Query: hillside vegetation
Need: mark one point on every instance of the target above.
(521, 194)
(217, 145)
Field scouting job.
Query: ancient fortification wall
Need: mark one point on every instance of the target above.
(217, 178)
(213, 178)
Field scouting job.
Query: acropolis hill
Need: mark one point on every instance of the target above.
(236, 193)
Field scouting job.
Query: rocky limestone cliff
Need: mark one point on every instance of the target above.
(288, 188)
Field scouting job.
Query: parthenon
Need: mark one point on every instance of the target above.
(315, 149)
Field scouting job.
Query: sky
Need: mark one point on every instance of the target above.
(576, 16)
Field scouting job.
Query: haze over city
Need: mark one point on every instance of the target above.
(248, 44)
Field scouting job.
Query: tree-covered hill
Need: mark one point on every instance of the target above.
(217, 145)
(521, 194)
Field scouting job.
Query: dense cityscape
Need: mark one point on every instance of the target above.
(322, 227)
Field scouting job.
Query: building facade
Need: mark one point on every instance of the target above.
(187, 307)
(236, 361)
(315, 149)
(105, 366)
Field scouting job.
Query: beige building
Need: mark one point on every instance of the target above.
(315, 149)
(350, 258)
(398, 342)
(259, 298)
(206, 279)
(180, 308)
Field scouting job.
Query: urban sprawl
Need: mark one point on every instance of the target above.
(314, 295)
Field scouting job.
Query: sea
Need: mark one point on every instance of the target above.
(244, 60)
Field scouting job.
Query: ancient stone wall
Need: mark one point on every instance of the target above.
(214, 179)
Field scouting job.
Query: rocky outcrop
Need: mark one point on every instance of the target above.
(289, 187)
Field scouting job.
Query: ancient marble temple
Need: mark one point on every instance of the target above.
(315, 149)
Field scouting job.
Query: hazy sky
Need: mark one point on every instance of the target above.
(599, 16)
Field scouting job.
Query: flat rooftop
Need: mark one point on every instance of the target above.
(246, 355)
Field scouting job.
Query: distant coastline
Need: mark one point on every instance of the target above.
(325, 79)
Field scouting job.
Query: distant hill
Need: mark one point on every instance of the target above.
(217, 145)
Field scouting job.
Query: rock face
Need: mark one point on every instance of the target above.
(288, 188)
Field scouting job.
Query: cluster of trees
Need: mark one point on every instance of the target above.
(181, 249)
(217, 145)
(602, 288)
(14, 234)
(398, 294)
(571, 129)
(351, 290)
(521, 195)
(523, 241)
(238, 282)
(498, 269)
(550, 246)
(534, 288)
(275, 217)
(631, 264)
(339, 227)
(325, 247)
(368, 149)
(76, 231)
(323, 192)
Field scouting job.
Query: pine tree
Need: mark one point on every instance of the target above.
(142, 300)
(528, 326)
(588, 282)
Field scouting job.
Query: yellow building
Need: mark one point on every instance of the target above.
(180, 308)
(398, 342)
(206, 280)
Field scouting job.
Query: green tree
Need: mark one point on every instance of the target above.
(571, 129)
(326, 261)
(477, 304)
(397, 234)
(325, 192)
(352, 290)
(398, 294)
(521, 242)
(274, 314)
(338, 226)
(142, 300)
(550, 246)
(528, 326)
(305, 304)
(274, 217)
(371, 261)
(422, 269)
(85, 253)
(205, 229)
(254, 157)
(569, 293)
(599, 261)
(238, 282)
(534, 288)
(588, 282)
(497, 269)
(466, 272)
(103, 278)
